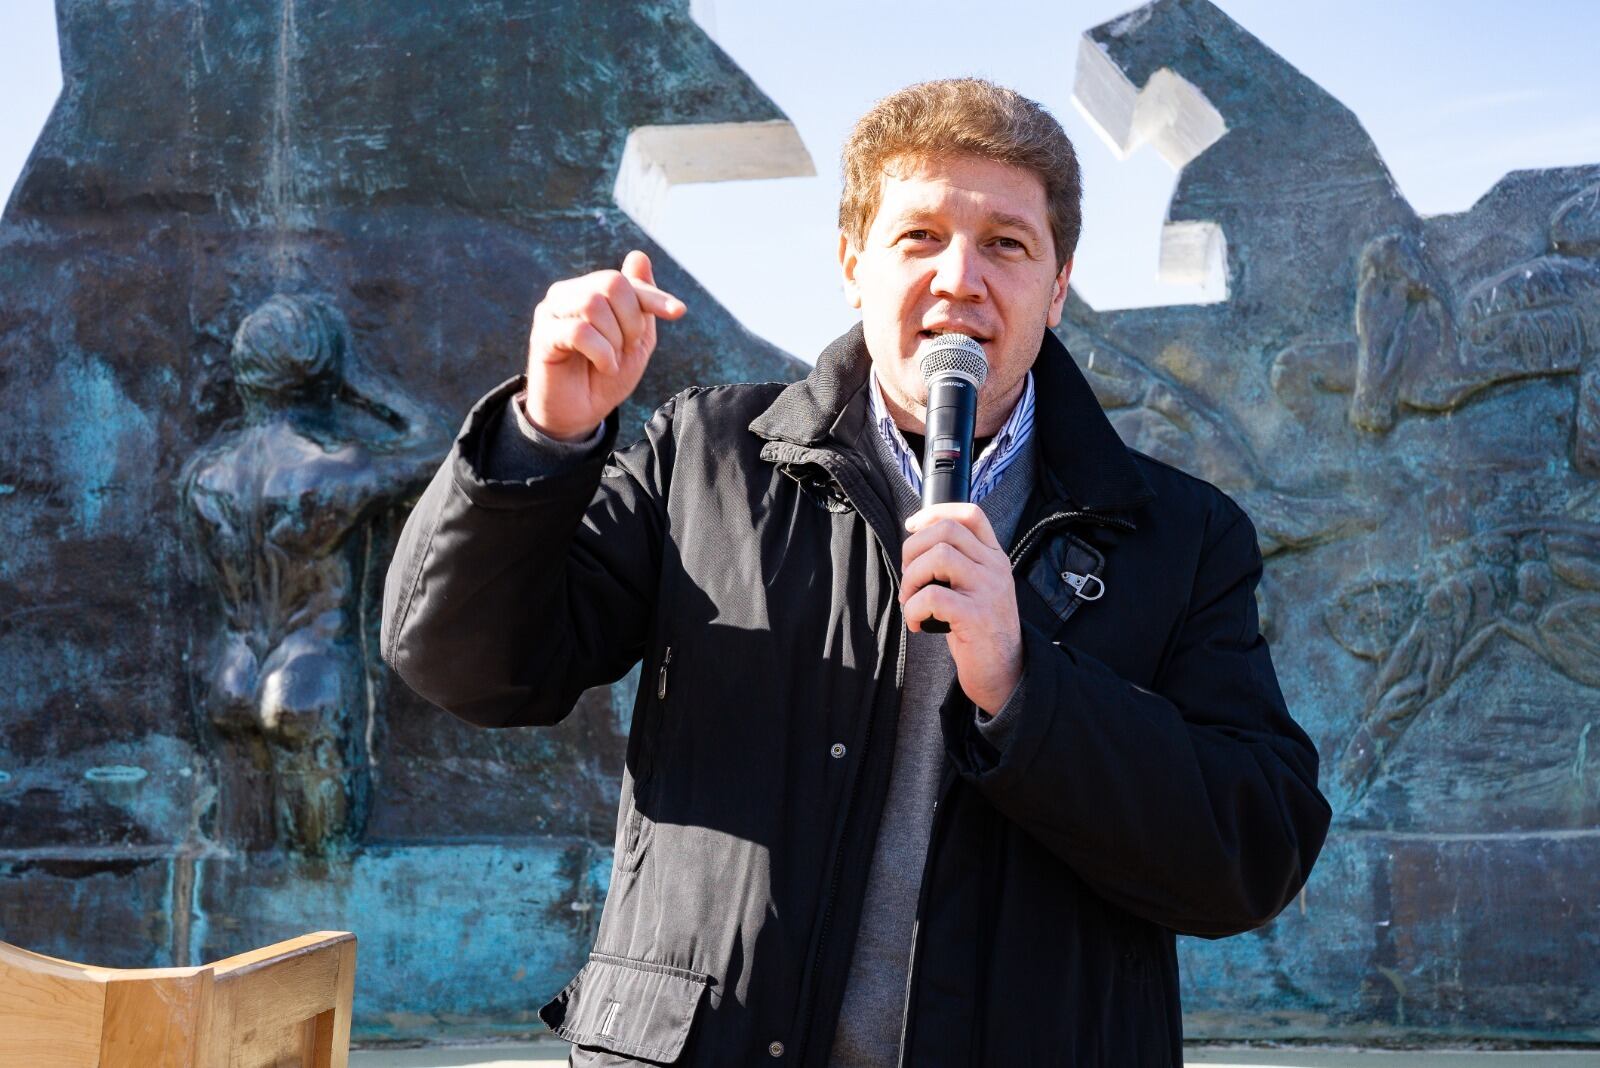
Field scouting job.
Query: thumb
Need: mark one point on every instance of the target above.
(636, 265)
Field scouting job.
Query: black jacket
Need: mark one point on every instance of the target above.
(747, 550)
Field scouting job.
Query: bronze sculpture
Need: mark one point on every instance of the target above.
(278, 505)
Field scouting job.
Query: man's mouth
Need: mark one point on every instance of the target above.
(979, 338)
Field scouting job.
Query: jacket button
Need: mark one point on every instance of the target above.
(776, 1049)
(836, 751)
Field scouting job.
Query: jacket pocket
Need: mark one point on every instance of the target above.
(1066, 573)
(648, 756)
(636, 831)
(632, 1007)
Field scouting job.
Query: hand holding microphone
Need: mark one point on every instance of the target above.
(955, 577)
(954, 367)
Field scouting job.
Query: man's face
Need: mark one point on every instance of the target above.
(958, 245)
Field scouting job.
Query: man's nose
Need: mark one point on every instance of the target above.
(958, 272)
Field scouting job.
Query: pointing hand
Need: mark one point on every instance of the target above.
(591, 340)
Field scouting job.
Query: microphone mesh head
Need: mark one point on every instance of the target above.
(953, 354)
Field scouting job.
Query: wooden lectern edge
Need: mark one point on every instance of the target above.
(188, 1011)
(289, 948)
(28, 960)
(255, 958)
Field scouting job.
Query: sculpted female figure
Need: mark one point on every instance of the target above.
(279, 508)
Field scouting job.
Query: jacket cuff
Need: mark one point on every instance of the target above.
(495, 466)
(550, 444)
(997, 728)
(1001, 747)
(516, 450)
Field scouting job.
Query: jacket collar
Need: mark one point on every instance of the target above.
(1078, 446)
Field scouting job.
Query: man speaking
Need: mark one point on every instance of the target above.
(845, 839)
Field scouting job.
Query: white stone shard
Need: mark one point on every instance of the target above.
(1195, 253)
(1173, 116)
(656, 158)
(1176, 118)
(1104, 97)
(1169, 113)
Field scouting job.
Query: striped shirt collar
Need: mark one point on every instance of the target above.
(1014, 436)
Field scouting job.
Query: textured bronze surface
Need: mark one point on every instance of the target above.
(264, 256)
(267, 252)
(1409, 409)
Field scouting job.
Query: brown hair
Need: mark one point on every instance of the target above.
(961, 117)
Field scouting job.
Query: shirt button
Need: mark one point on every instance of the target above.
(836, 751)
(776, 1049)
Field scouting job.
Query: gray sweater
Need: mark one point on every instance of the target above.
(868, 1031)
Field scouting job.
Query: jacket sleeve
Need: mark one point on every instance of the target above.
(1196, 806)
(518, 450)
(508, 597)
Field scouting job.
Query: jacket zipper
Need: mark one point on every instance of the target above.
(855, 787)
(1057, 519)
(649, 756)
(1023, 546)
(661, 676)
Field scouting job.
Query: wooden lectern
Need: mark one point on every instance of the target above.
(285, 1006)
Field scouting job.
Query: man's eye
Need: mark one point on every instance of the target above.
(916, 235)
(1009, 243)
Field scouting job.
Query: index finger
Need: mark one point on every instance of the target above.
(968, 515)
(657, 301)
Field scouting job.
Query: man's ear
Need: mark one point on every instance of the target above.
(1058, 296)
(849, 258)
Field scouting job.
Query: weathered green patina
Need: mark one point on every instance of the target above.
(264, 256)
(1409, 409)
(199, 749)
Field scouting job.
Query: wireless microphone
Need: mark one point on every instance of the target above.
(954, 367)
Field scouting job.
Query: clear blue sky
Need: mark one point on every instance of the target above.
(1454, 92)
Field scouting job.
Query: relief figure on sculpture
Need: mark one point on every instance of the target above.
(281, 509)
